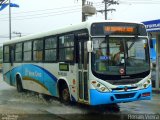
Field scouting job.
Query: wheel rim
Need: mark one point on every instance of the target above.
(65, 94)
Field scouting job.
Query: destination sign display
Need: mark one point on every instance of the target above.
(117, 28)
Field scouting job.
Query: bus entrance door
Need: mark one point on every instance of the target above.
(83, 71)
(11, 49)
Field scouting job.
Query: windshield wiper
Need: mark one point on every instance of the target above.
(131, 45)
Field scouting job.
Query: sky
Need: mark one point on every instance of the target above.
(35, 16)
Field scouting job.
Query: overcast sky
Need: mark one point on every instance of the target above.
(35, 16)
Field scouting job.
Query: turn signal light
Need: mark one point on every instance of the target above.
(94, 82)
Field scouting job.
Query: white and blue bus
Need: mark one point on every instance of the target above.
(93, 63)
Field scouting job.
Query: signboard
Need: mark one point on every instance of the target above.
(117, 28)
(63, 67)
(4, 5)
(152, 26)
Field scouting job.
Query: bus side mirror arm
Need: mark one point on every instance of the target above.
(89, 46)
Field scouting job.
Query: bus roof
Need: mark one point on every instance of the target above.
(68, 28)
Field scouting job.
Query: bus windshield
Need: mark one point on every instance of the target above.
(110, 54)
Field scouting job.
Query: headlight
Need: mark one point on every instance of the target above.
(99, 86)
(145, 84)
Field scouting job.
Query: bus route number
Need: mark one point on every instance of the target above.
(62, 73)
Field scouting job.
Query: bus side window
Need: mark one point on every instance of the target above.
(51, 49)
(66, 48)
(6, 54)
(27, 51)
(18, 52)
(37, 50)
(12, 56)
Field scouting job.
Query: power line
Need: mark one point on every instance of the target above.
(121, 1)
(139, 1)
(130, 2)
(48, 15)
(100, 4)
(61, 8)
(60, 12)
(66, 10)
(135, 2)
(107, 4)
(45, 13)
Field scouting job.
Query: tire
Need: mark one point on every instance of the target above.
(19, 84)
(64, 95)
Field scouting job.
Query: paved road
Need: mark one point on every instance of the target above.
(29, 106)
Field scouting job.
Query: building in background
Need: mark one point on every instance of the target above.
(153, 29)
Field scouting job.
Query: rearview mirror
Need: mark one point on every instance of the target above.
(89, 46)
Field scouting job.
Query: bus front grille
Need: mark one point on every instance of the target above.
(124, 81)
(129, 88)
(123, 96)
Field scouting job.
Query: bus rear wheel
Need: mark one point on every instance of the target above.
(64, 95)
(19, 84)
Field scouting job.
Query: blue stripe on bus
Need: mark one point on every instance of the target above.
(38, 73)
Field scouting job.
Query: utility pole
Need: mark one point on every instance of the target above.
(83, 14)
(9, 17)
(10, 24)
(105, 14)
(9, 12)
(108, 3)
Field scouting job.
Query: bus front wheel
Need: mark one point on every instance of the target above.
(19, 84)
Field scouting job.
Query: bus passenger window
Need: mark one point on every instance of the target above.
(38, 50)
(18, 52)
(51, 49)
(6, 54)
(66, 48)
(27, 51)
(37, 55)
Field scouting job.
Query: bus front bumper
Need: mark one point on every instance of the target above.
(99, 98)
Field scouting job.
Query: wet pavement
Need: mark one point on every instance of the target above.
(31, 106)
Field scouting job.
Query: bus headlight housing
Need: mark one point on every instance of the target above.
(145, 84)
(99, 86)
